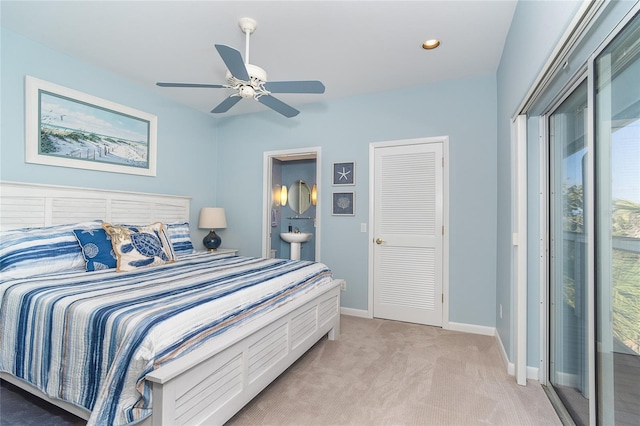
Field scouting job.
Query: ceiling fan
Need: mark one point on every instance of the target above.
(250, 81)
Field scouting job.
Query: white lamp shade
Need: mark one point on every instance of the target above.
(212, 218)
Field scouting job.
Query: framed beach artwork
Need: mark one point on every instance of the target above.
(344, 173)
(68, 128)
(343, 204)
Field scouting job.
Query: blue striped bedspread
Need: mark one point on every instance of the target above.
(90, 338)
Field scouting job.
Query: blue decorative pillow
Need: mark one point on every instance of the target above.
(180, 238)
(96, 248)
(45, 250)
(139, 246)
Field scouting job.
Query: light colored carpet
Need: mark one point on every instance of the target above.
(384, 372)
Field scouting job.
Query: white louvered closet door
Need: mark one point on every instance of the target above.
(408, 206)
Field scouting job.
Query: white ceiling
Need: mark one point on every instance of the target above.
(353, 47)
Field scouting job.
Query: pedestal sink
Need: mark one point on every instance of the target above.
(295, 239)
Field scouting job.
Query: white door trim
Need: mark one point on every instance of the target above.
(445, 216)
(519, 247)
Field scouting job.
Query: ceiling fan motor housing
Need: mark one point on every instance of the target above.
(257, 76)
(255, 73)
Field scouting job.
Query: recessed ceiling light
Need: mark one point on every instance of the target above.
(431, 44)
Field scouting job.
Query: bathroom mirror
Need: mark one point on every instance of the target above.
(299, 196)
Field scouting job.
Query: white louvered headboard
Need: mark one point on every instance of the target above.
(30, 205)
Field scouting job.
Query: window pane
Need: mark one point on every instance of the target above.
(617, 146)
(568, 312)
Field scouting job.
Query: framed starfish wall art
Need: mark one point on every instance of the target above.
(344, 173)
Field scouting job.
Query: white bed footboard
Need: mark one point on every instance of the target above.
(211, 384)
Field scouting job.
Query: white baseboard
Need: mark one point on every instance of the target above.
(532, 372)
(505, 358)
(472, 328)
(355, 312)
(455, 326)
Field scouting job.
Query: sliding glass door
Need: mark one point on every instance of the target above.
(594, 241)
(568, 366)
(617, 208)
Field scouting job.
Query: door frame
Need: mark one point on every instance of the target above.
(445, 216)
(519, 244)
(267, 193)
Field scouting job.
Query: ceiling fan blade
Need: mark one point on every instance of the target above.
(212, 86)
(225, 105)
(233, 60)
(278, 106)
(309, 86)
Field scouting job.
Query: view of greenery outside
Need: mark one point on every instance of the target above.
(626, 275)
(625, 266)
(572, 225)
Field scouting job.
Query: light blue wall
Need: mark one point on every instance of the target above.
(186, 138)
(465, 110)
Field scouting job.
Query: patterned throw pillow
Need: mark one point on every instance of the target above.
(139, 246)
(96, 248)
(180, 238)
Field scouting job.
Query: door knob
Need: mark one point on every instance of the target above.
(378, 240)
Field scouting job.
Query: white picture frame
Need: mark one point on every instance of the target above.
(97, 135)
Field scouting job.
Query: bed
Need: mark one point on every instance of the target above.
(215, 329)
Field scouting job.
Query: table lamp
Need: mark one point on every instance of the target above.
(212, 218)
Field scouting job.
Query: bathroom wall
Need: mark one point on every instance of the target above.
(291, 172)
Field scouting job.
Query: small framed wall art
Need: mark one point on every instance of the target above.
(344, 204)
(344, 173)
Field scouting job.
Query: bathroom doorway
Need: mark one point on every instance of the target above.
(294, 209)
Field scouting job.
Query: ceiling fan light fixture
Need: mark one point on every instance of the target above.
(431, 44)
(247, 92)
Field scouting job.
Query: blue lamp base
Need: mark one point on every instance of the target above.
(212, 241)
